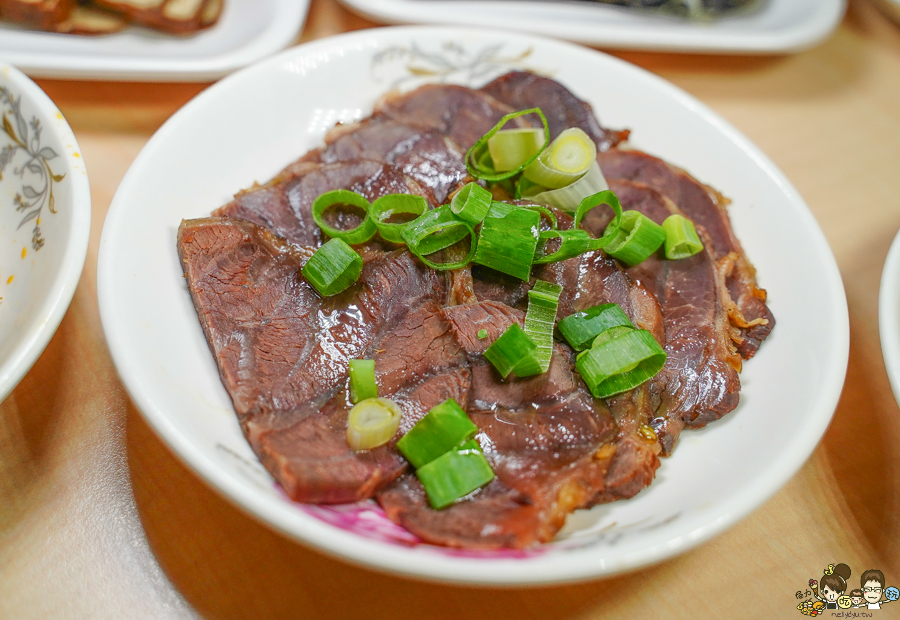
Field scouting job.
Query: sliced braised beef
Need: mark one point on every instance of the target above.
(699, 382)
(706, 207)
(285, 206)
(282, 352)
(540, 434)
(522, 90)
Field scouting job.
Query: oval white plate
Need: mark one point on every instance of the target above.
(889, 315)
(248, 31)
(777, 26)
(247, 127)
(45, 222)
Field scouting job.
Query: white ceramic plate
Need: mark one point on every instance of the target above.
(889, 315)
(45, 222)
(777, 26)
(247, 127)
(247, 31)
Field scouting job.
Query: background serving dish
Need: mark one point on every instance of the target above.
(247, 31)
(777, 26)
(45, 221)
(230, 136)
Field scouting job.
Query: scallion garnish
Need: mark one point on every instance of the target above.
(333, 268)
(436, 230)
(482, 334)
(395, 204)
(478, 160)
(681, 237)
(638, 237)
(580, 329)
(444, 427)
(511, 148)
(362, 380)
(455, 474)
(621, 363)
(566, 160)
(508, 238)
(354, 236)
(545, 213)
(372, 422)
(543, 301)
(471, 203)
(514, 352)
(569, 197)
(574, 242)
(592, 202)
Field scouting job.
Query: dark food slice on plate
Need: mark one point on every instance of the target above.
(40, 14)
(171, 16)
(283, 350)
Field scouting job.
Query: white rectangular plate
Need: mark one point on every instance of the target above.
(247, 31)
(777, 26)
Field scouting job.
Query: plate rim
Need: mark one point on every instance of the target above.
(639, 37)
(358, 550)
(889, 315)
(54, 307)
(287, 21)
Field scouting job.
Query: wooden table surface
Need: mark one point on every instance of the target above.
(99, 520)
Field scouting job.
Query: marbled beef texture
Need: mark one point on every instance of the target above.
(550, 443)
(703, 205)
(282, 351)
(699, 382)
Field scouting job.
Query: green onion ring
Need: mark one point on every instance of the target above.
(574, 243)
(514, 352)
(508, 238)
(476, 158)
(471, 203)
(582, 328)
(638, 237)
(393, 204)
(436, 230)
(455, 474)
(681, 237)
(621, 363)
(334, 267)
(540, 317)
(362, 380)
(445, 426)
(510, 147)
(609, 199)
(354, 236)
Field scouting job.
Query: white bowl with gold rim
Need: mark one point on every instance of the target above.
(45, 222)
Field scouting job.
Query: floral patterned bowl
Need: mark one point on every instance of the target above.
(45, 222)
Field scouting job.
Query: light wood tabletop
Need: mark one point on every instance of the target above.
(98, 519)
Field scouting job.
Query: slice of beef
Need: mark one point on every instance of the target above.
(427, 156)
(707, 208)
(699, 382)
(541, 435)
(521, 90)
(285, 205)
(283, 351)
(457, 112)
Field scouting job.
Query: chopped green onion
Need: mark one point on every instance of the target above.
(436, 230)
(361, 233)
(471, 203)
(621, 363)
(681, 237)
(545, 213)
(543, 301)
(609, 334)
(508, 238)
(566, 160)
(525, 187)
(362, 380)
(569, 197)
(514, 352)
(395, 204)
(581, 328)
(595, 200)
(333, 268)
(478, 160)
(372, 422)
(637, 239)
(455, 474)
(511, 148)
(444, 427)
(574, 242)
(482, 334)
